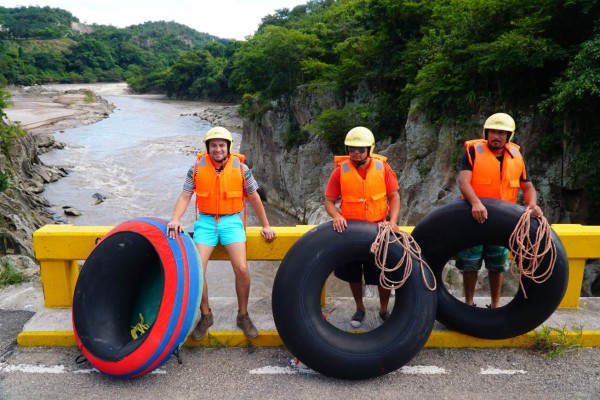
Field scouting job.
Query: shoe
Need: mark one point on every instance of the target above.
(384, 315)
(245, 324)
(206, 321)
(357, 318)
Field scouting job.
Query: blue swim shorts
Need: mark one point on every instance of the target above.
(496, 258)
(229, 229)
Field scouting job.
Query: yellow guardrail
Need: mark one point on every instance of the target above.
(60, 248)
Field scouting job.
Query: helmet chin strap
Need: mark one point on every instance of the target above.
(359, 163)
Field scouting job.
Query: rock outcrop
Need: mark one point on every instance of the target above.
(23, 209)
(293, 179)
(426, 160)
(225, 115)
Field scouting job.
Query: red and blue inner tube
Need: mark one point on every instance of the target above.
(136, 269)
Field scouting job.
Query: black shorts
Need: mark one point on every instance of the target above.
(354, 272)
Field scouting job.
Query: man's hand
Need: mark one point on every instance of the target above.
(479, 212)
(268, 233)
(339, 224)
(536, 211)
(173, 228)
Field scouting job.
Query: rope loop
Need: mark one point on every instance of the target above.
(139, 327)
(528, 254)
(386, 237)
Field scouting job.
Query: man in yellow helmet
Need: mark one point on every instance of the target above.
(220, 179)
(369, 189)
(491, 167)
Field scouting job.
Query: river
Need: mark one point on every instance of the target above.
(137, 159)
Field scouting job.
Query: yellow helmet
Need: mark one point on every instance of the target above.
(218, 132)
(501, 122)
(360, 137)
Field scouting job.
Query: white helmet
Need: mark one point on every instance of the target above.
(501, 122)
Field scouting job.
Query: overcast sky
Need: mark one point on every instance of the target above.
(228, 19)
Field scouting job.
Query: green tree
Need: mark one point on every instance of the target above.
(575, 101)
(35, 22)
(478, 54)
(90, 53)
(47, 61)
(197, 75)
(270, 62)
(8, 133)
(579, 90)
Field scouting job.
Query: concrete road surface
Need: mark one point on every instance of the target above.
(272, 373)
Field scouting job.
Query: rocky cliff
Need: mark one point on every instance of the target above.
(292, 179)
(426, 161)
(22, 205)
(23, 209)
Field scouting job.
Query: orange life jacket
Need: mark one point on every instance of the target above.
(487, 180)
(364, 199)
(219, 193)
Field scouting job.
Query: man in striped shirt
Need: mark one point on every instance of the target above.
(221, 180)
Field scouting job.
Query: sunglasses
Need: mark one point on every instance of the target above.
(361, 150)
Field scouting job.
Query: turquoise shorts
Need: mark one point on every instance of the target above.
(496, 258)
(229, 229)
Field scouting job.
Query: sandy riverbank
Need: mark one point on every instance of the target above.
(50, 108)
(40, 109)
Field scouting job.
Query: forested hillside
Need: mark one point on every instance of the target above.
(43, 44)
(454, 60)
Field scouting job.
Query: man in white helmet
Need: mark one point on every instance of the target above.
(369, 190)
(220, 180)
(491, 167)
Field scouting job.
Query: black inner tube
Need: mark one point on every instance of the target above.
(450, 228)
(322, 346)
(120, 271)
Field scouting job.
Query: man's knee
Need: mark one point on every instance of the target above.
(496, 258)
(470, 260)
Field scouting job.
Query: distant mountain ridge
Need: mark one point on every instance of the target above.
(51, 23)
(45, 45)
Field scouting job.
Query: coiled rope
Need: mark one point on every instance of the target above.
(386, 237)
(528, 254)
(140, 327)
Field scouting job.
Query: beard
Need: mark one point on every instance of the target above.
(495, 145)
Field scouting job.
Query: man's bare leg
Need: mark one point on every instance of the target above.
(357, 292)
(237, 255)
(384, 299)
(469, 282)
(495, 287)
(205, 252)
